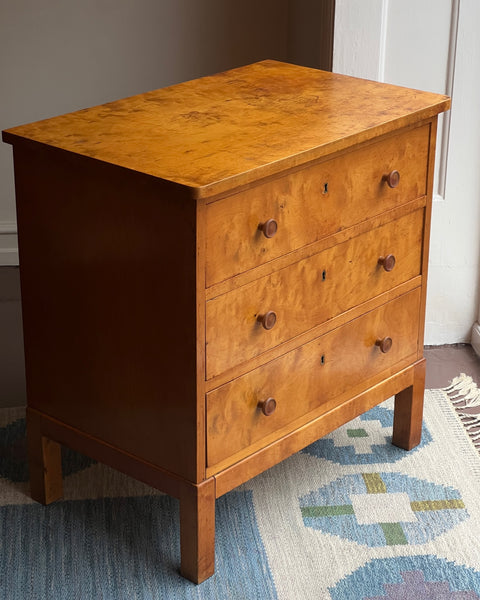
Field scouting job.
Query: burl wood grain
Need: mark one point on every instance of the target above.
(227, 130)
(310, 292)
(304, 379)
(320, 424)
(132, 213)
(313, 203)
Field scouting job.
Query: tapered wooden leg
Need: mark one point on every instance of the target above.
(44, 461)
(197, 530)
(408, 413)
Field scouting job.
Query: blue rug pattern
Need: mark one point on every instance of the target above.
(349, 518)
(126, 549)
(410, 578)
(383, 509)
(368, 441)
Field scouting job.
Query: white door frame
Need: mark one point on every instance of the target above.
(362, 29)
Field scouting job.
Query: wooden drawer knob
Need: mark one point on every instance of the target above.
(267, 320)
(267, 406)
(385, 344)
(392, 179)
(269, 228)
(387, 262)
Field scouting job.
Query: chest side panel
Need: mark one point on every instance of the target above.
(108, 274)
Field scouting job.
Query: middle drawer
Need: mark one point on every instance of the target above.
(256, 317)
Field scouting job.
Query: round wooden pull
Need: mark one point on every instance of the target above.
(384, 344)
(387, 262)
(392, 179)
(267, 320)
(269, 228)
(267, 406)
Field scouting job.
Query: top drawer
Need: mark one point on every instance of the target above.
(313, 203)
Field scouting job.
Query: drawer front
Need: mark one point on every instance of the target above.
(309, 292)
(308, 377)
(313, 203)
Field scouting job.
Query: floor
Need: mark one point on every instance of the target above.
(446, 362)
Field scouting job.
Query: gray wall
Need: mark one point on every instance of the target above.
(57, 56)
(310, 33)
(12, 377)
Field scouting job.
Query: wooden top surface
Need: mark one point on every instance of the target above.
(219, 132)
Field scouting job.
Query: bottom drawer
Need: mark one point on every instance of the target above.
(308, 377)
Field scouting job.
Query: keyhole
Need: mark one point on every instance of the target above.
(322, 359)
(325, 188)
(324, 275)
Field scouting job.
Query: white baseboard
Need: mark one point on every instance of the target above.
(8, 243)
(476, 338)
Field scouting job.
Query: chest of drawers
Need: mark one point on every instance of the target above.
(216, 274)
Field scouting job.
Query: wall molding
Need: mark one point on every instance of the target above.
(360, 49)
(382, 54)
(475, 341)
(446, 118)
(8, 243)
(8, 227)
(360, 38)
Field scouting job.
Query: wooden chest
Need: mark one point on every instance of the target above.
(216, 274)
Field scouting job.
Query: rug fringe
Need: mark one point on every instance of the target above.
(463, 389)
(465, 396)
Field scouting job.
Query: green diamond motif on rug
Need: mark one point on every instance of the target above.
(357, 433)
(383, 509)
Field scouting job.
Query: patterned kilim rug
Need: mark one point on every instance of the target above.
(350, 517)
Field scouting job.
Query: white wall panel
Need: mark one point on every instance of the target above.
(452, 305)
(358, 38)
(433, 45)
